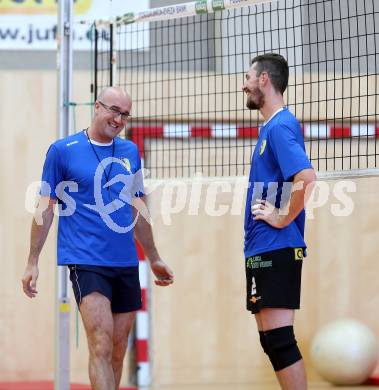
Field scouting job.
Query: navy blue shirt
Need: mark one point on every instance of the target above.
(95, 212)
(278, 156)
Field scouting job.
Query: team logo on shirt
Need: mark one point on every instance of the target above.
(126, 164)
(263, 147)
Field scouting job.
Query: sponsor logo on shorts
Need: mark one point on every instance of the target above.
(299, 254)
(255, 299)
(257, 262)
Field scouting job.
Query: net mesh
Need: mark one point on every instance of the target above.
(185, 77)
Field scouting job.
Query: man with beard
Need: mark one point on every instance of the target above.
(96, 231)
(280, 180)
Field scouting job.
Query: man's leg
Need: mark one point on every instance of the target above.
(292, 377)
(97, 318)
(122, 324)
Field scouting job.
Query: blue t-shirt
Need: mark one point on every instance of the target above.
(96, 224)
(278, 156)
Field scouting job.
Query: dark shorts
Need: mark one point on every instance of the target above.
(273, 279)
(119, 284)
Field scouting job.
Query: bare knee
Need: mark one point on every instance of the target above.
(100, 345)
(118, 354)
(123, 323)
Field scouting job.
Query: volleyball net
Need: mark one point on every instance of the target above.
(184, 67)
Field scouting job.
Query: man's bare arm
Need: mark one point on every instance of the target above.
(303, 184)
(41, 224)
(144, 234)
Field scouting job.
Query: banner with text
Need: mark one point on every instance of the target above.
(32, 24)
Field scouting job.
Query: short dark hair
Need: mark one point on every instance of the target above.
(277, 68)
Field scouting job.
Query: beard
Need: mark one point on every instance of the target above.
(256, 102)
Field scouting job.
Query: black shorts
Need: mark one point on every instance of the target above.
(119, 284)
(273, 279)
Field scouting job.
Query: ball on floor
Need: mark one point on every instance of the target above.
(344, 352)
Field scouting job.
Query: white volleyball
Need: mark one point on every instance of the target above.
(344, 352)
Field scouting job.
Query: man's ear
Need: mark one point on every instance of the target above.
(96, 106)
(263, 78)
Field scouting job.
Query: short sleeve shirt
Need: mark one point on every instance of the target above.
(95, 186)
(277, 157)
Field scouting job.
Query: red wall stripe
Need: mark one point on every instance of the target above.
(199, 131)
(139, 133)
(247, 132)
(340, 132)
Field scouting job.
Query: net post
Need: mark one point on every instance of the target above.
(113, 55)
(142, 326)
(95, 62)
(62, 312)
